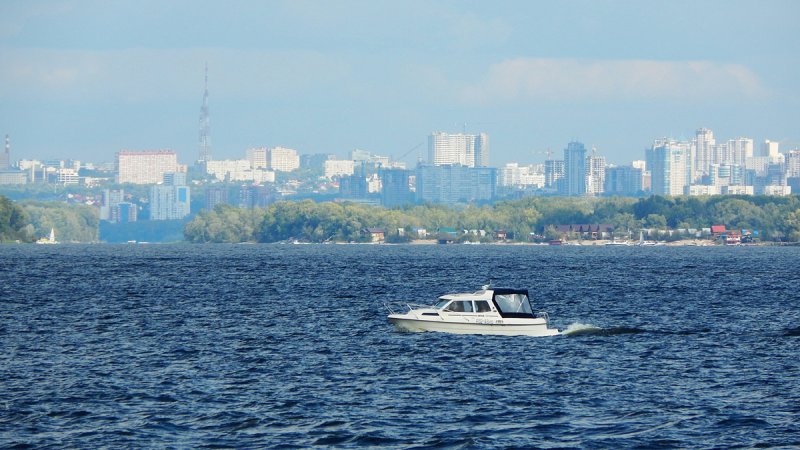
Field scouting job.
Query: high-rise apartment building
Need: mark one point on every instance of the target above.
(145, 167)
(171, 200)
(595, 174)
(110, 199)
(451, 184)
(257, 157)
(703, 153)
(553, 173)
(470, 150)
(740, 149)
(574, 169)
(283, 159)
(793, 164)
(623, 180)
(770, 149)
(396, 190)
(670, 167)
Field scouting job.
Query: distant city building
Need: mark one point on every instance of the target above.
(170, 200)
(703, 155)
(256, 196)
(451, 184)
(770, 149)
(216, 195)
(514, 175)
(283, 159)
(13, 177)
(740, 148)
(574, 169)
(470, 150)
(623, 180)
(595, 174)
(66, 176)
(146, 167)
(396, 188)
(338, 168)
(258, 158)
(553, 173)
(110, 198)
(793, 163)
(670, 167)
(124, 212)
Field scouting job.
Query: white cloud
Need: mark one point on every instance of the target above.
(542, 79)
(145, 74)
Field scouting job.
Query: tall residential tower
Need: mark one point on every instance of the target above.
(470, 150)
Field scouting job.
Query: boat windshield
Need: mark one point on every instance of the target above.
(441, 303)
(513, 303)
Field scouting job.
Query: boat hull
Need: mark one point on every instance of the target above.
(537, 327)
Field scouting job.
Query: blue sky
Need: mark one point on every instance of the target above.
(85, 79)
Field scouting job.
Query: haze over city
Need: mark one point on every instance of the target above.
(87, 79)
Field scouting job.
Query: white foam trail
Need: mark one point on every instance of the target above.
(581, 328)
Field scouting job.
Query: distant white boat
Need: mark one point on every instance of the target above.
(51, 239)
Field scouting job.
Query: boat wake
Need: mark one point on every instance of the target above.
(583, 329)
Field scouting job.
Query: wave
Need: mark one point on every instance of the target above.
(581, 329)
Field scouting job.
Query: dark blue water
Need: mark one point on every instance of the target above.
(256, 346)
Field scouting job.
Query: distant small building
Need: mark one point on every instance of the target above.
(591, 231)
(717, 230)
(375, 234)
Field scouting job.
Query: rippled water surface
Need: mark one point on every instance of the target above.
(288, 346)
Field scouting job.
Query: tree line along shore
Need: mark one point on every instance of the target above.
(777, 219)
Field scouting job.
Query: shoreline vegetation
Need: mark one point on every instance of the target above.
(675, 220)
(530, 220)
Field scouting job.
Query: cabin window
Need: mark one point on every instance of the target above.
(513, 303)
(459, 306)
(441, 304)
(482, 306)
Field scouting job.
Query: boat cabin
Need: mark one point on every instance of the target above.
(505, 302)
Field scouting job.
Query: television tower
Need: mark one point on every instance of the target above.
(205, 127)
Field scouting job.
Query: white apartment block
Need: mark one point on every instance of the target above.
(770, 148)
(471, 150)
(777, 190)
(512, 174)
(146, 167)
(223, 168)
(595, 175)
(701, 190)
(258, 158)
(283, 159)
(238, 170)
(740, 148)
(338, 167)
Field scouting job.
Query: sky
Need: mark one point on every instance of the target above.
(86, 79)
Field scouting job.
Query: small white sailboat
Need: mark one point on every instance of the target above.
(51, 239)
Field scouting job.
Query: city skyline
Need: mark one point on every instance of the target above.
(82, 80)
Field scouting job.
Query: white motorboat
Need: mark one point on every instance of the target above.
(487, 311)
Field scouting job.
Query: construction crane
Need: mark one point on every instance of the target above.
(408, 152)
(547, 152)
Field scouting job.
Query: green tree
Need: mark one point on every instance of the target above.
(14, 222)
